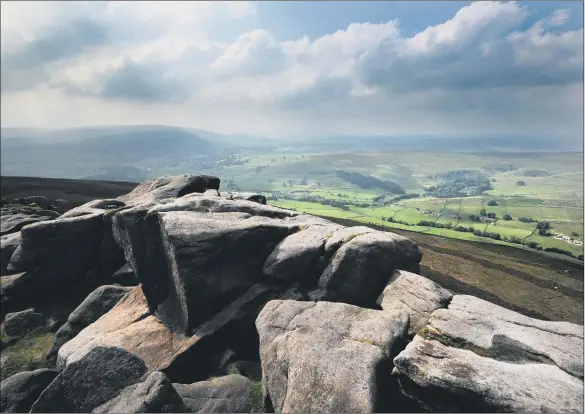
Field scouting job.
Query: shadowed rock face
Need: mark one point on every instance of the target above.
(154, 395)
(20, 391)
(75, 390)
(8, 245)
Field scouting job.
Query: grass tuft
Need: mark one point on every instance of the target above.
(27, 354)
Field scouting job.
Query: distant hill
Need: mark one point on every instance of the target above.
(97, 152)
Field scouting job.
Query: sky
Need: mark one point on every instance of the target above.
(297, 69)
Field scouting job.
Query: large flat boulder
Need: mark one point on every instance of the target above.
(90, 310)
(327, 357)
(76, 388)
(415, 295)
(21, 390)
(362, 265)
(129, 326)
(480, 356)
(227, 394)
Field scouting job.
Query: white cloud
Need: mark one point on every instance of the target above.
(161, 56)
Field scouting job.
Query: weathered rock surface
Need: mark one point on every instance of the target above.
(361, 267)
(154, 395)
(170, 187)
(8, 245)
(450, 379)
(12, 223)
(76, 389)
(415, 295)
(479, 356)
(327, 357)
(300, 256)
(128, 326)
(90, 310)
(19, 324)
(228, 394)
(21, 390)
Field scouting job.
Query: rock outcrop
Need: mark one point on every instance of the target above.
(222, 285)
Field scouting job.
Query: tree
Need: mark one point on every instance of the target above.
(543, 225)
(574, 234)
(507, 217)
(532, 244)
(491, 215)
(492, 203)
(520, 183)
(482, 212)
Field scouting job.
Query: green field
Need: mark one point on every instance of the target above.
(552, 191)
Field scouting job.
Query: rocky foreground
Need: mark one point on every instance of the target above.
(179, 298)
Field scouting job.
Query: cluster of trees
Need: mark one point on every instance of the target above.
(460, 183)
(404, 197)
(480, 233)
(367, 181)
(426, 223)
(392, 220)
(526, 220)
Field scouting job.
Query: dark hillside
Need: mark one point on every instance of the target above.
(75, 191)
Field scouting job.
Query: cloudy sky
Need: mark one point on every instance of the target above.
(297, 68)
